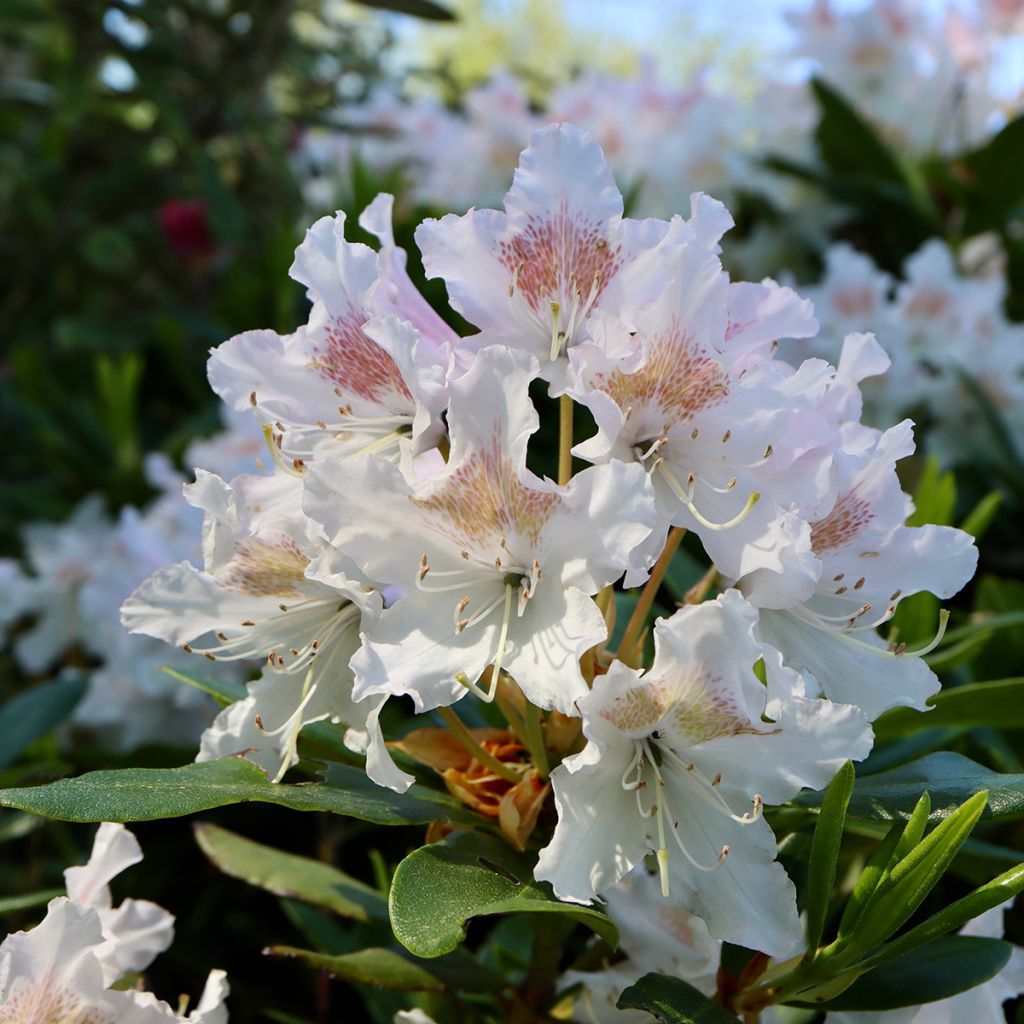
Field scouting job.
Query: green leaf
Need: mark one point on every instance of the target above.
(33, 713)
(223, 691)
(992, 894)
(828, 834)
(9, 904)
(949, 778)
(980, 518)
(425, 9)
(944, 968)
(934, 496)
(999, 703)
(871, 875)
(439, 887)
(286, 874)
(904, 887)
(673, 1001)
(396, 970)
(143, 794)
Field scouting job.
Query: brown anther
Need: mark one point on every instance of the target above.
(725, 851)
(424, 567)
(283, 607)
(258, 719)
(208, 656)
(187, 648)
(859, 584)
(841, 590)
(315, 645)
(461, 606)
(838, 577)
(248, 622)
(693, 434)
(900, 649)
(293, 651)
(270, 658)
(299, 464)
(280, 661)
(690, 478)
(601, 243)
(868, 554)
(222, 637)
(338, 392)
(465, 555)
(321, 424)
(461, 625)
(497, 562)
(768, 452)
(252, 397)
(726, 436)
(895, 595)
(717, 779)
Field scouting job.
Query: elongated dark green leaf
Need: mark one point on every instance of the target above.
(425, 9)
(949, 778)
(673, 1001)
(9, 904)
(397, 970)
(142, 794)
(828, 834)
(944, 968)
(998, 703)
(438, 888)
(956, 915)
(906, 884)
(871, 875)
(32, 714)
(980, 518)
(286, 874)
(223, 691)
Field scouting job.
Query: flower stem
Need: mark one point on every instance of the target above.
(466, 738)
(564, 439)
(643, 606)
(535, 740)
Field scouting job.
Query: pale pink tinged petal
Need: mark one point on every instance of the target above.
(336, 272)
(394, 292)
(368, 739)
(463, 251)
(599, 837)
(610, 512)
(748, 899)
(798, 571)
(861, 358)
(545, 646)
(113, 850)
(137, 932)
(808, 743)
(416, 649)
(180, 603)
(709, 221)
(760, 314)
(845, 671)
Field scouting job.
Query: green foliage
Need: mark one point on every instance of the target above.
(143, 794)
(672, 1001)
(439, 887)
(33, 713)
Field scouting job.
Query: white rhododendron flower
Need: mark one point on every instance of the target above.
(531, 276)
(496, 564)
(256, 595)
(870, 562)
(61, 971)
(340, 383)
(679, 761)
(657, 936)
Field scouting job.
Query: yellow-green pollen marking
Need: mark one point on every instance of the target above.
(648, 752)
(513, 581)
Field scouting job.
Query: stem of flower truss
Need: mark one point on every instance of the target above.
(643, 606)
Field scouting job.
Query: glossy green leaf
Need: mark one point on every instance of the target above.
(397, 970)
(438, 888)
(949, 778)
(939, 970)
(286, 874)
(828, 835)
(906, 884)
(981, 517)
(955, 916)
(998, 703)
(33, 713)
(871, 875)
(934, 496)
(673, 1001)
(142, 794)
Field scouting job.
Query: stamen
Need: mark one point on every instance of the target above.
(461, 677)
(687, 499)
(556, 335)
(273, 446)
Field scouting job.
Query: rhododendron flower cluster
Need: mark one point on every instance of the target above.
(62, 613)
(65, 968)
(937, 325)
(405, 545)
